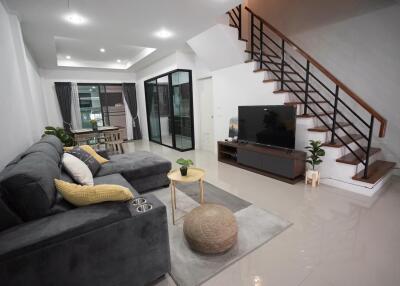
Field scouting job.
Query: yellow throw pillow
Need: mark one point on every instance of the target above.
(91, 151)
(87, 195)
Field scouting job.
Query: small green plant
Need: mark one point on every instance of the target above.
(93, 121)
(63, 135)
(185, 165)
(316, 152)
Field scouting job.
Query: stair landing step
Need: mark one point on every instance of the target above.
(346, 139)
(376, 171)
(323, 128)
(353, 160)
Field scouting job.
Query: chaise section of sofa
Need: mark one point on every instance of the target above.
(145, 171)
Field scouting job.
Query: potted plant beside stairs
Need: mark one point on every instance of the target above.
(314, 159)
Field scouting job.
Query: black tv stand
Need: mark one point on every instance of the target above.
(282, 164)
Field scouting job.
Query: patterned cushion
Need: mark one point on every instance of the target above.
(85, 157)
(88, 195)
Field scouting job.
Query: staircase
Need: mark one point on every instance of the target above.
(327, 109)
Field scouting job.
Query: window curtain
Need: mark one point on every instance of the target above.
(63, 91)
(129, 90)
(76, 109)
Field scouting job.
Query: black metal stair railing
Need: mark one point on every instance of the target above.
(282, 60)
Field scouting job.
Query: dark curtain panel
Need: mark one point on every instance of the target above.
(63, 90)
(130, 98)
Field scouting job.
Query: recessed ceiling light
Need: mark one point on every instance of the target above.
(163, 34)
(93, 87)
(75, 19)
(68, 57)
(102, 50)
(118, 61)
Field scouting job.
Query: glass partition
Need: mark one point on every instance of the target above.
(169, 104)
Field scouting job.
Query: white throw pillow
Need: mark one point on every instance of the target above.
(78, 170)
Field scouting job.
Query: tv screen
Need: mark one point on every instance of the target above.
(273, 125)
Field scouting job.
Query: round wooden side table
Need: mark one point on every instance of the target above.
(193, 175)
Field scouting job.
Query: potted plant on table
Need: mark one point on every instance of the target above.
(185, 165)
(94, 124)
(314, 159)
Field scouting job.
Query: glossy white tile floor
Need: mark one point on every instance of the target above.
(337, 239)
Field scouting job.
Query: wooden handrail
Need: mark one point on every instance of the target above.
(341, 85)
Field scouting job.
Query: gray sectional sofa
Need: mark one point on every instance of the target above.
(46, 241)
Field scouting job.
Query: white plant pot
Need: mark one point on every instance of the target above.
(312, 177)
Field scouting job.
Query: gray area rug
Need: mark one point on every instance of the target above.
(256, 227)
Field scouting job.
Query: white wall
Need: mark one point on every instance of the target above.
(358, 41)
(22, 112)
(48, 77)
(238, 85)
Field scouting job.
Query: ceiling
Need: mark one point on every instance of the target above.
(125, 28)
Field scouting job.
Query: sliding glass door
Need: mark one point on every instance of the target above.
(103, 103)
(169, 103)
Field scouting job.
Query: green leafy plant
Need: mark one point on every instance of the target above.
(316, 152)
(185, 163)
(61, 133)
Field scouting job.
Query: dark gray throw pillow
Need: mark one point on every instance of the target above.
(88, 159)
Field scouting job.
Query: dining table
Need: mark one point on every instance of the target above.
(93, 137)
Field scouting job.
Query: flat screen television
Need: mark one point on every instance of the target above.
(273, 125)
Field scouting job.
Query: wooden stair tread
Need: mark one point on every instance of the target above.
(300, 103)
(323, 128)
(286, 91)
(264, 54)
(269, 70)
(286, 80)
(312, 115)
(353, 160)
(346, 139)
(376, 171)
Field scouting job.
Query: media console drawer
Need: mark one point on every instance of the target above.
(249, 158)
(284, 165)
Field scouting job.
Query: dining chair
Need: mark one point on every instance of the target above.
(113, 140)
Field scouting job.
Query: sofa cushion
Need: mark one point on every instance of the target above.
(86, 158)
(89, 195)
(29, 185)
(135, 165)
(115, 179)
(8, 218)
(53, 141)
(77, 169)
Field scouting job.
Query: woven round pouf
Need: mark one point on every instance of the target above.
(210, 229)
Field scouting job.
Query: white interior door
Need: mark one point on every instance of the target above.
(205, 91)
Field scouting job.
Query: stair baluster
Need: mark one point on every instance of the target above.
(335, 115)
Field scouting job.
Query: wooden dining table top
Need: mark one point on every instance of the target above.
(90, 130)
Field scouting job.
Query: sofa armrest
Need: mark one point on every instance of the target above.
(105, 244)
